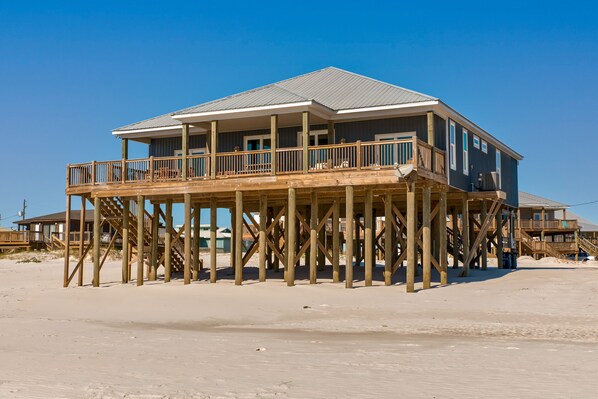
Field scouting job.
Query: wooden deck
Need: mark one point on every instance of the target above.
(14, 239)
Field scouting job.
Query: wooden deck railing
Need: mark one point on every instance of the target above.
(14, 237)
(559, 224)
(329, 158)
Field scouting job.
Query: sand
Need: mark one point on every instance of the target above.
(530, 333)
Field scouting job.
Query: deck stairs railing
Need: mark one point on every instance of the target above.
(588, 246)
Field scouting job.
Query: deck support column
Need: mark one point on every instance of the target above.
(305, 140)
(140, 237)
(349, 248)
(276, 237)
(455, 222)
(313, 239)
(443, 261)
(97, 221)
(213, 148)
(273, 143)
(262, 237)
(484, 255)
(499, 238)
(368, 237)
(388, 239)
(67, 248)
(411, 239)
(465, 235)
(168, 242)
(82, 239)
(292, 237)
(336, 212)
(125, 242)
(188, 239)
(196, 240)
(213, 239)
(358, 251)
(322, 240)
(184, 151)
(153, 274)
(238, 238)
(426, 238)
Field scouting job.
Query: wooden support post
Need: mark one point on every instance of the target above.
(140, 237)
(125, 149)
(273, 143)
(213, 239)
(213, 148)
(358, 251)
(82, 223)
(168, 242)
(238, 238)
(349, 248)
(426, 238)
(313, 239)
(188, 239)
(411, 238)
(322, 241)
(455, 220)
(153, 275)
(483, 215)
(196, 240)
(472, 239)
(305, 140)
(465, 234)
(336, 245)
(184, 153)
(499, 249)
(443, 261)
(233, 223)
(431, 137)
(262, 237)
(388, 239)
(292, 237)
(276, 237)
(331, 138)
(97, 233)
(67, 248)
(125, 242)
(368, 237)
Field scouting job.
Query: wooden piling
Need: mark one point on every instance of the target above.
(483, 215)
(349, 251)
(196, 240)
(97, 233)
(455, 222)
(411, 239)
(140, 238)
(262, 237)
(125, 242)
(368, 237)
(442, 236)
(238, 237)
(499, 249)
(313, 239)
(188, 239)
(81, 239)
(213, 239)
(67, 248)
(336, 212)
(168, 242)
(292, 236)
(465, 234)
(388, 239)
(426, 238)
(153, 275)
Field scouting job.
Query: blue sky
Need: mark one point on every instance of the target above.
(72, 71)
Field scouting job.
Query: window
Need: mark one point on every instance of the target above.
(498, 169)
(453, 148)
(476, 142)
(394, 153)
(465, 153)
(316, 137)
(257, 143)
(484, 147)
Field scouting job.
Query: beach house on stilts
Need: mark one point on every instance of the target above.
(302, 153)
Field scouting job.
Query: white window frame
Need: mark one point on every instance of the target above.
(476, 142)
(499, 168)
(465, 152)
(261, 137)
(190, 151)
(394, 136)
(484, 147)
(453, 145)
(315, 133)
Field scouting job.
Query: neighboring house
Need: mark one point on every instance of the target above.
(304, 152)
(222, 238)
(48, 231)
(588, 234)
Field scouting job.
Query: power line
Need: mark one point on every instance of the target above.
(584, 203)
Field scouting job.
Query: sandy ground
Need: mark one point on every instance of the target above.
(531, 333)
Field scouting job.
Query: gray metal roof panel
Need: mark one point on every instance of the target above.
(527, 200)
(584, 224)
(152, 123)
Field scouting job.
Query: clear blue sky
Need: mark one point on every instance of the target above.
(72, 71)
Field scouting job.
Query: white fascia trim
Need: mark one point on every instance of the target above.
(290, 107)
(386, 107)
(444, 110)
(158, 131)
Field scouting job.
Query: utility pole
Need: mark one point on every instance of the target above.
(24, 206)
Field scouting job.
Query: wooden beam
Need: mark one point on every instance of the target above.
(313, 239)
(140, 237)
(273, 143)
(291, 221)
(125, 242)
(368, 238)
(388, 239)
(81, 238)
(305, 140)
(426, 238)
(213, 147)
(336, 214)
(196, 240)
(411, 239)
(238, 238)
(349, 251)
(483, 214)
(67, 247)
(262, 237)
(184, 151)
(153, 275)
(213, 239)
(97, 233)
(168, 242)
(188, 239)
(443, 258)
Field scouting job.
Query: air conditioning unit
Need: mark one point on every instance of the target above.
(490, 181)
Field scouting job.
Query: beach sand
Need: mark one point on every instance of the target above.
(532, 332)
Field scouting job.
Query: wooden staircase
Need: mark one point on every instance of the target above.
(587, 246)
(536, 247)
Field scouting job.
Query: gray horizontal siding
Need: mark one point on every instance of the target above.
(367, 130)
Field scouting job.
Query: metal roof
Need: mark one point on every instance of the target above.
(152, 123)
(57, 217)
(527, 200)
(584, 224)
